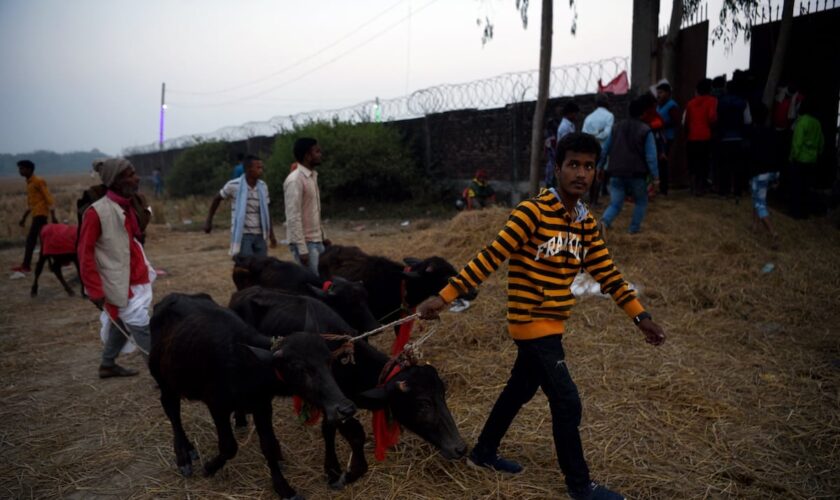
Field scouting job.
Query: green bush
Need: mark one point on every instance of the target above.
(200, 170)
(365, 162)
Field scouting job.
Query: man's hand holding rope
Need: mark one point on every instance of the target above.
(431, 307)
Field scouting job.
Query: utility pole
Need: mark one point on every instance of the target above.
(162, 116)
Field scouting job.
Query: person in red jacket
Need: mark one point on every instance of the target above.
(114, 269)
(700, 115)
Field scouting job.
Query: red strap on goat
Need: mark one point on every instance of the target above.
(326, 286)
(386, 431)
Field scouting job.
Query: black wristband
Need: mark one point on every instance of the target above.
(642, 316)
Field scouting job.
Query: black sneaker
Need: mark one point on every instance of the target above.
(494, 462)
(596, 491)
(116, 371)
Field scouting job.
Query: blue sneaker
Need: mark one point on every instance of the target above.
(494, 462)
(595, 491)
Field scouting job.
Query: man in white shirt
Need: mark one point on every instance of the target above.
(598, 123)
(566, 127)
(250, 220)
(303, 205)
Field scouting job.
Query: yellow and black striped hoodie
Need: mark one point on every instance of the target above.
(547, 249)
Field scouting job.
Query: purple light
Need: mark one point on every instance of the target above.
(162, 113)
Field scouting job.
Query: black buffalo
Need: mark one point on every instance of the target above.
(415, 396)
(348, 298)
(202, 351)
(392, 287)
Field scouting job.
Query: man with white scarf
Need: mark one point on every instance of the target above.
(114, 269)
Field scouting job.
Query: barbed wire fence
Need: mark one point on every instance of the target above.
(498, 91)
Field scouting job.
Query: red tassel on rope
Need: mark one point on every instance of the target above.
(386, 433)
(306, 413)
(386, 430)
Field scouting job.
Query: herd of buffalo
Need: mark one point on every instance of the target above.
(282, 334)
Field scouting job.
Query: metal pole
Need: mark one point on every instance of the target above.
(162, 116)
(162, 113)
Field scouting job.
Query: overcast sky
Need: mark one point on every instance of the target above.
(87, 73)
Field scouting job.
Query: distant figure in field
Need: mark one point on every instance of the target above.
(41, 204)
(699, 117)
(250, 221)
(157, 182)
(632, 152)
(805, 150)
(480, 194)
(239, 168)
(734, 117)
(764, 169)
(303, 205)
(669, 111)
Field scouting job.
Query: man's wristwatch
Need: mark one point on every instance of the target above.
(643, 316)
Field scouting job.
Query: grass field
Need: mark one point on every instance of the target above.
(743, 400)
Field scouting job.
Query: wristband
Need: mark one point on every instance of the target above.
(642, 316)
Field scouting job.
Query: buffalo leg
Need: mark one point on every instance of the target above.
(271, 450)
(184, 451)
(332, 468)
(354, 434)
(55, 267)
(227, 443)
(39, 267)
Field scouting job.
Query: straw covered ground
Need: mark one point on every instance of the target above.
(743, 400)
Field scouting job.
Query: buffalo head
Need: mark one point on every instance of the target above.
(416, 397)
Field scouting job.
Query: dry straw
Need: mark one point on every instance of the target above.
(742, 401)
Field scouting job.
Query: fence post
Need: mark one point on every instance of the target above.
(427, 145)
(514, 146)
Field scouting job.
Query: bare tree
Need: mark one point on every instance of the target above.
(778, 64)
(537, 137)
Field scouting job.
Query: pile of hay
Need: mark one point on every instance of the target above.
(741, 401)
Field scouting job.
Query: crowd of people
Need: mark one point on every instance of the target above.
(733, 145)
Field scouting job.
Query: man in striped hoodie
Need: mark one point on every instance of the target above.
(548, 239)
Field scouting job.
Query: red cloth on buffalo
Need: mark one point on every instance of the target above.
(386, 430)
(58, 239)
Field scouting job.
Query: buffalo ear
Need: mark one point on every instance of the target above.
(263, 355)
(373, 399)
(316, 291)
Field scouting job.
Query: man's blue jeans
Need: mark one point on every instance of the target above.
(619, 188)
(253, 244)
(315, 249)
